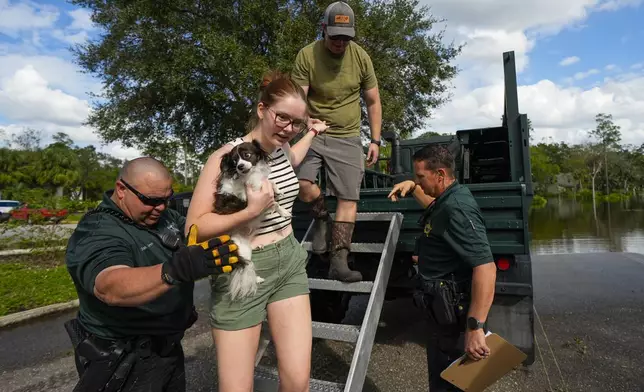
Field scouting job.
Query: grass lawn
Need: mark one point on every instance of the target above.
(34, 280)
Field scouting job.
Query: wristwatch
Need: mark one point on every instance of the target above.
(376, 142)
(474, 324)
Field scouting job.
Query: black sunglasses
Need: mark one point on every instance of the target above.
(148, 201)
(344, 38)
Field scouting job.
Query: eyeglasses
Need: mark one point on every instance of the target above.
(282, 121)
(148, 201)
(344, 38)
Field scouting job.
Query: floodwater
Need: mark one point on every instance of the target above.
(568, 226)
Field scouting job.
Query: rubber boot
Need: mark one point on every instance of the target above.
(321, 232)
(341, 233)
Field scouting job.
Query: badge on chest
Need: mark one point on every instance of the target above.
(428, 228)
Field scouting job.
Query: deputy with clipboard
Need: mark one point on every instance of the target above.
(455, 264)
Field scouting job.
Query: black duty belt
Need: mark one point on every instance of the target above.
(444, 300)
(105, 364)
(430, 286)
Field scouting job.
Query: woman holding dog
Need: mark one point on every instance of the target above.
(280, 115)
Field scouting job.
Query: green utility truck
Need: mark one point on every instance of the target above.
(494, 163)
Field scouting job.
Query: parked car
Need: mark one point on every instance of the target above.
(6, 206)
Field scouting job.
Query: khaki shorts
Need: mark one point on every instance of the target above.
(283, 267)
(344, 163)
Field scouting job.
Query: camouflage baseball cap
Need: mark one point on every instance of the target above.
(339, 19)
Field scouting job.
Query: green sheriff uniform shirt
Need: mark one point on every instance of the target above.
(454, 239)
(334, 85)
(102, 240)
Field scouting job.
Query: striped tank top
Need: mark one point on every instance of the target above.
(283, 175)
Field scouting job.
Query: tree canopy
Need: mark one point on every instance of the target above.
(185, 74)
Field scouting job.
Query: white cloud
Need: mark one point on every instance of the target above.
(46, 92)
(59, 73)
(563, 112)
(78, 30)
(613, 5)
(27, 96)
(82, 19)
(637, 66)
(20, 16)
(569, 61)
(118, 151)
(584, 75)
(71, 38)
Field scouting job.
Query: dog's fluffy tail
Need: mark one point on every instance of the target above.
(243, 281)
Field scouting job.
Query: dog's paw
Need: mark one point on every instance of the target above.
(259, 279)
(283, 212)
(277, 194)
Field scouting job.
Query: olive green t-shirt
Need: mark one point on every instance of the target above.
(454, 239)
(102, 240)
(334, 85)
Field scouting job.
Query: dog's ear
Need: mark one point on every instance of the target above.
(226, 165)
(263, 155)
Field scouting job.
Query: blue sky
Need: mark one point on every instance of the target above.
(605, 39)
(41, 87)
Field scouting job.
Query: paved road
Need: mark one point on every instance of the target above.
(588, 326)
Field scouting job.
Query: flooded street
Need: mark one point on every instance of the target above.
(564, 226)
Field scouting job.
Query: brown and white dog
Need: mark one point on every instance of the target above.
(245, 164)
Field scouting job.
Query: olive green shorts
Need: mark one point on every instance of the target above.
(282, 265)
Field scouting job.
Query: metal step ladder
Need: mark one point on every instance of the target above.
(266, 379)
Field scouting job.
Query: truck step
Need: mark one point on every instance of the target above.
(362, 336)
(372, 216)
(267, 380)
(339, 332)
(336, 285)
(356, 247)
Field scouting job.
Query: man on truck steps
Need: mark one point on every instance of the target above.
(333, 71)
(455, 263)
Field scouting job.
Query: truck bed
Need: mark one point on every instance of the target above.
(502, 206)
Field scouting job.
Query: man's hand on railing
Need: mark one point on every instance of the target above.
(402, 188)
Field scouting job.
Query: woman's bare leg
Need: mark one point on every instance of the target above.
(290, 324)
(236, 352)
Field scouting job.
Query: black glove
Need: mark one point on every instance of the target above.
(199, 260)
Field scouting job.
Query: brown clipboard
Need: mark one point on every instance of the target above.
(476, 376)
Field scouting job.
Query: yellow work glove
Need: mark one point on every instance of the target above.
(199, 260)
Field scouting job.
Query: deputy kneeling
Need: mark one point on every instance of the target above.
(455, 263)
(135, 278)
